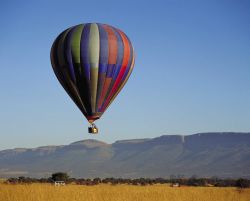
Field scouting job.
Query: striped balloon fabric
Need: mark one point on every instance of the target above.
(92, 62)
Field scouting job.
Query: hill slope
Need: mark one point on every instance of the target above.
(205, 154)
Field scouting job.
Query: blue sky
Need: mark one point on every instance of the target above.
(192, 71)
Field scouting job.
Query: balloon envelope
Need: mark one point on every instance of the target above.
(92, 62)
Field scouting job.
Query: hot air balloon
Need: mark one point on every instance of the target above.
(92, 62)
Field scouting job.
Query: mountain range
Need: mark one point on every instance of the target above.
(224, 154)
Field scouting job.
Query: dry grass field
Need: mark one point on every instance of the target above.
(46, 192)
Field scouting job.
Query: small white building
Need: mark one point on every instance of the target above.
(59, 183)
(175, 185)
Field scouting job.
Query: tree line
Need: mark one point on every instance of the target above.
(180, 180)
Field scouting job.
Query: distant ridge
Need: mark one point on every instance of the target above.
(223, 154)
(90, 143)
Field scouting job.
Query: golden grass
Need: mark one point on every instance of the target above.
(46, 192)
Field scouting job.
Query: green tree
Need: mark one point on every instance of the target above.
(60, 176)
(242, 183)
